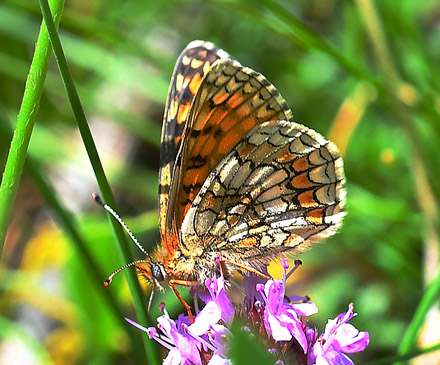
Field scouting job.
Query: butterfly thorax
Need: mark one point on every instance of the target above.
(190, 262)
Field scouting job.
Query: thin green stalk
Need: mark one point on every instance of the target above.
(104, 187)
(430, 296)
(67, 220)
(425, 196)
(405, 356)
(92, 26)
(25, 123)
(314, 39)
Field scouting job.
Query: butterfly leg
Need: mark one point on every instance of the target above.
(172, 283)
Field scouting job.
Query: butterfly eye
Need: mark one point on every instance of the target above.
(158, 272)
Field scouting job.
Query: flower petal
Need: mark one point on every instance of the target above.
(305, 309)
(334, 358)
(349, 339)
(174, 358)
(217, 290)
(207, 317)
(219, 338)
(278, 330)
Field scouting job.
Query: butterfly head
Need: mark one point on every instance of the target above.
(154, 272)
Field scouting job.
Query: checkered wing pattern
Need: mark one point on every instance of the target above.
(193, 63)
(280, 188)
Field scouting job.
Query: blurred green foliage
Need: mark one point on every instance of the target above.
(319, 54)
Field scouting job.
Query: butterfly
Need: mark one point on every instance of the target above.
(239, 181)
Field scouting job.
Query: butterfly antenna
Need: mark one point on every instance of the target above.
(110, 278)
(109, 209)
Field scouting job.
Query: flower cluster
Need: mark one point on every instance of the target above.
(280, 321)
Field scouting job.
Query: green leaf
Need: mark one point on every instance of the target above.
(245, 348)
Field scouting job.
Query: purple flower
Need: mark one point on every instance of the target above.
(281, 318)
(206, 328)
(281, 326)
(205, 338)
(250, 284)
(218, 307)
(339, 338)
(183, 348)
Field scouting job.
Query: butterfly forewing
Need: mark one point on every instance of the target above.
(193, 63)
(230, 101)
(280, 189)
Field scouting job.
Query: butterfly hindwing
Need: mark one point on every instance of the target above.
(280, 189)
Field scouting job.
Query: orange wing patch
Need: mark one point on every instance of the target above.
(193, 63)
(231, 100)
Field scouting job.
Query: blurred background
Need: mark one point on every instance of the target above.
(363, 73)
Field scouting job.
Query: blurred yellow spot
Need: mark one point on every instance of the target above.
(387, 156)
(48, 249)
(65, 345)
(407, 94)
(119, 341)
(429, 336)
(276, 271)
(124, 293)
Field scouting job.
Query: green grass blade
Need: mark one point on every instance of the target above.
(67, 221)
(104, 187)
(25, 123)
(405, 356)
(431, 295)
(423, 187)
(314, 40)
